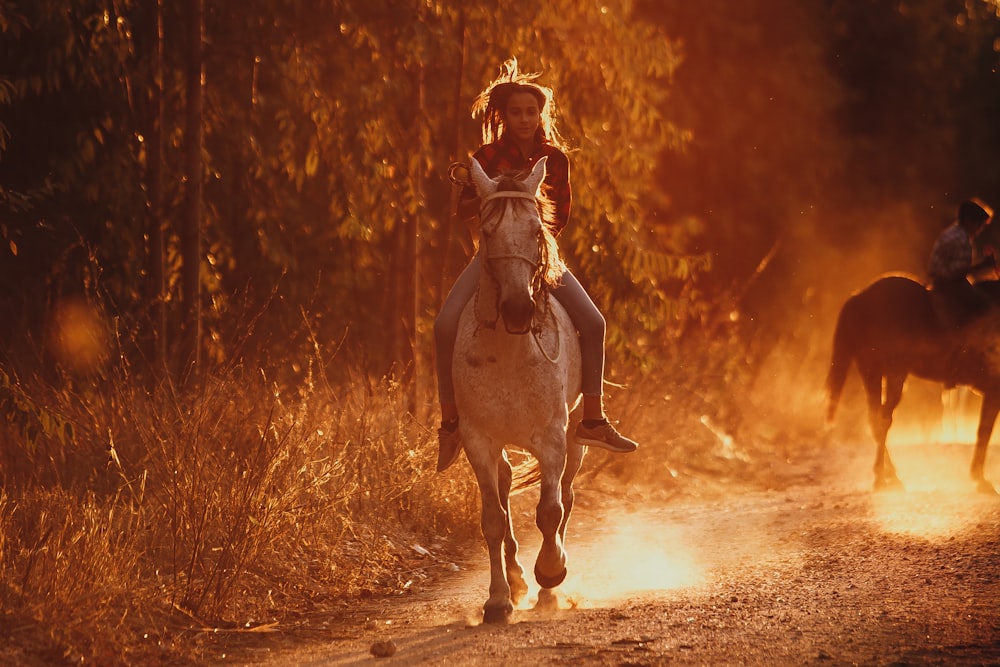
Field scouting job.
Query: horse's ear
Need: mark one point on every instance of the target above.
(536, 176)
(484, 184)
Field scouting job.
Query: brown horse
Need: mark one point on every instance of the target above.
(890, 330)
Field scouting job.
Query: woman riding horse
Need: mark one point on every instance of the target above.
(518, 130)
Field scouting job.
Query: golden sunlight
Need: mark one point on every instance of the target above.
(953, 421)
(932, 516)
(634, 556)
(940, 499)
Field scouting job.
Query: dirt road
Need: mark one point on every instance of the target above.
(818, 570)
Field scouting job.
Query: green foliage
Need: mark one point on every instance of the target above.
(68, 165)
(701, 136)
(30, 419)
(930, 85)
(612, 75)
(330, 132)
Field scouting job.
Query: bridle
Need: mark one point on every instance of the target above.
(540, 266)
(510, 194)
(456, 177)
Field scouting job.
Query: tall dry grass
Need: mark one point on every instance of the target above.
(138, 521)
(132, 519)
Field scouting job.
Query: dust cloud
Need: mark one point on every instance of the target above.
(805, 151)
(616, 555)
(633, 556)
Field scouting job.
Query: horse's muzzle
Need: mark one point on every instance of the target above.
(517, 314)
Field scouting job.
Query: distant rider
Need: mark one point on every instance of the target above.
(951, 265)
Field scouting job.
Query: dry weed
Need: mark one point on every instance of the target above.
(240, 505)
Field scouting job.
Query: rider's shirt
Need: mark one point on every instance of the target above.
(951, 257)
(504, 156)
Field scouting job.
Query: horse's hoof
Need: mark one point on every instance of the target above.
(549, 582)
(983, 486)
(547, 600)
(888, 484)
(518, 589)
(497, 614)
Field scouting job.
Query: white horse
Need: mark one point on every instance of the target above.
(517, 383)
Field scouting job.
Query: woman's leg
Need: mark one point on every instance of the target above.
(589, 322)
(446, 330)
(591, 325)
(445, 333)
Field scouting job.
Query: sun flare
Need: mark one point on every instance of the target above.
(932, 516)
(634, 557)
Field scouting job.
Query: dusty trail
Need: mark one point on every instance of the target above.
(817, 571)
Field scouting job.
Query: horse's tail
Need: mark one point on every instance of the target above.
(845, 340)
(525, 476)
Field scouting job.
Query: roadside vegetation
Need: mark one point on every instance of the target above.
(133, 518)
(141, 523)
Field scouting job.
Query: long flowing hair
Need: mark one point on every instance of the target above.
(491, 104)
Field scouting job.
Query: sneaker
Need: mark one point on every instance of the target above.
(604, 436)
(449, 445)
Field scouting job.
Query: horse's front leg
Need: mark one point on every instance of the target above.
(879, 420)
(893, 395)
(987, 418)
(498, 607)
(574, 460)
(515, 573)
(550, 565)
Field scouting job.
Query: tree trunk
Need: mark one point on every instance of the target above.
(157, 227)
(191, 224)
(398, 303)
(420, 367)
(449, 228)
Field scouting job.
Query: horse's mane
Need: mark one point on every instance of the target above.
(553, 266)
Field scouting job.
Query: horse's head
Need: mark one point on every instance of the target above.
(517, 246)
